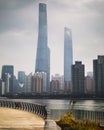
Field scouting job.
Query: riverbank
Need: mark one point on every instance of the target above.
(53, 96)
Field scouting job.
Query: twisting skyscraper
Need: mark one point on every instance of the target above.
(68, 54)
(43, 52)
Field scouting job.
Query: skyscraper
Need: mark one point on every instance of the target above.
(43, 52)
(98, 73)
(21, 81)
(8, 80)
(78, 71)
(68, 54)
(7, 69)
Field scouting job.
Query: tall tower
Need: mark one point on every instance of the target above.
(43, 52)
(68, 54)
(98, 73)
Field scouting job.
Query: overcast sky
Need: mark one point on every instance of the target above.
(19, 31)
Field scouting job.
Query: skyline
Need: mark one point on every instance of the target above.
(19, 32)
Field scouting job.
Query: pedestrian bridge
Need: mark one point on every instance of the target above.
(38, 109)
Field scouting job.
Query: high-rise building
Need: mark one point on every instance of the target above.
(15, 84)
(7, 69)
(27, 83)
(78, 71)
(21, 81)
(98, 74)
(43, 52)
(7, 74)
(68, 54)
(39, 82)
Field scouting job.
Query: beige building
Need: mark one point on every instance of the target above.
(88, 85)
(57, 84)
(39, 82)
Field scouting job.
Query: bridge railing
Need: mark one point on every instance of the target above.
(30, 107)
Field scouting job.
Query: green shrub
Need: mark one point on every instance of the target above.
(68, 122)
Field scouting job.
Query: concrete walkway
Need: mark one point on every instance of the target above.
(12, 119)
(51, 125)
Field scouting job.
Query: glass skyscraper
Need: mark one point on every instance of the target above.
(43, 52)
(68, 54)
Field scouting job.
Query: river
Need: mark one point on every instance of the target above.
(83, 109)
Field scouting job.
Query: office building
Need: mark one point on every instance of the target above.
(43, 52)
(98, 74)
(78, 76)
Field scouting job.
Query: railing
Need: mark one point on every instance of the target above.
(88, 114)
(30, 107)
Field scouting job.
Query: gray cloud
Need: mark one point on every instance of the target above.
(7, 5)
(17, 14)
(19, 30)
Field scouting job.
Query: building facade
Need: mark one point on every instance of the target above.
(98, 74)
(43, 52)
(78, 72)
